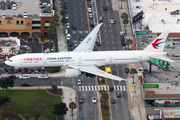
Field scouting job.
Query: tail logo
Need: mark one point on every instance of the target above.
(156, 44)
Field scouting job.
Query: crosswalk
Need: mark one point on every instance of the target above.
(100, 87)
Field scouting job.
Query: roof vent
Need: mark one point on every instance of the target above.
(163, 21)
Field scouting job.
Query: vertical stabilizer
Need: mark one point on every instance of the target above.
(158, 44)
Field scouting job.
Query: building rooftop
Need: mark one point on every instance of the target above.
(157, 15)
(30, 6)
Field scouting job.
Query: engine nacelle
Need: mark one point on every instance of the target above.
(70, 73)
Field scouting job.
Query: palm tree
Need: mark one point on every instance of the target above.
(125, 21)
(64, 20)
(133, 71)
(72, 106)
(13, 50)
(1, 50)
(63, 12)
(24, 49)
(128, 42)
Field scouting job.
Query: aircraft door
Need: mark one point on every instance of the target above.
(110, 59)
(139, 58)
(80, 60)
(20, 62)
(44, 61)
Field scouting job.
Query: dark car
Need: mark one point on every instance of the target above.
(65, 6)
(123, 43)
(127, 70)
(91, 24)
(35, 70)
(81, 100)
(80, 118)
(70, 48)
(2, 3)
(15, 70)
(3, 7)
(35, 16)
(12, 76)
(121, 38)
(9, 6)
(28, 70)
(118, 94)
(26, 84)
(105, 8)
(74, 26)
(89, 5)
(111, 88)
(100, 19)
(113, 101)
(13, 2)
(8, 2)
(65, 1)
(81, 36)
(41, 70)
(69, 43)
(19, 16)
(98, 43)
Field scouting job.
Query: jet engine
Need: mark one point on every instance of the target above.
(71, 73)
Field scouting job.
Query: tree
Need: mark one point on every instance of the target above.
(60, 109)
(104, 97)
(133, 71)
(46, 44)
(128, 42)
(72, 106)
(13, 50)
(4, 99)
(25, 36)
(5, 83)
(1, 50)
(124, 15)
(24, 49)
(54, 87)
(125, 21)
(10, 109)
(37, 106)
(63, 12)
(64, 20)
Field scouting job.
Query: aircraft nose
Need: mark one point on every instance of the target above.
(8, 63)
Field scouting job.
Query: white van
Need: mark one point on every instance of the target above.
(14, 6)
(25, 76)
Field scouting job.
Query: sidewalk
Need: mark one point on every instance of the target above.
(138, 110)
(60, 30)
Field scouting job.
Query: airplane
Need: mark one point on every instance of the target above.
(84, 59)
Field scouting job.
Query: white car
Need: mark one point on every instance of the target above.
(112, 21)
(68, 25)
(14, 6)
(25, 15)
(89, 10)
(25, 76)
(43, 77)
(94, 100)
(68, 36)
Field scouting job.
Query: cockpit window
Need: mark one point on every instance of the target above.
(9, 60)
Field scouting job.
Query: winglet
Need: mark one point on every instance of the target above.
(158, 44)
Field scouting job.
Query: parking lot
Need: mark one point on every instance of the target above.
(35, 46)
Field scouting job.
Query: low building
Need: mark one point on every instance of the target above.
(6, 43)
(29, 18)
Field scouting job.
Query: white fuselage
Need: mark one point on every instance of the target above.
(64, 58)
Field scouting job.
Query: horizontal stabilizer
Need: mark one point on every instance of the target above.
(162, 58)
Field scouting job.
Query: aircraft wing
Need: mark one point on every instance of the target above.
(94, 70)
(87, 44)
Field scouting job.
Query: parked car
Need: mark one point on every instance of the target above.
(127, 70)
(70, 48)
(118, 94)
(121, 38)
(67, 25)
(98, 43)
(43, 77)
(80, 118)
(113, 101)
(12, 76)
(28, 70)
(123, 43)
(25, 76)
(89, 5)
(26, 84)
(21, 70)
(91, 24)
(14, 6)
(90, 16)
(65, 6)
(65, 1)
(81, 100)
(79, 82)
(121, 34)
(89, 10)
(94, 100)
(25, 15)
(40, 69)
(111, 88)
(35, 70)
(66, 16)
(15, 70)
(69, 43)
(123, 47)
(81, 36)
